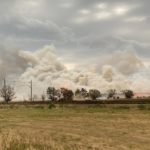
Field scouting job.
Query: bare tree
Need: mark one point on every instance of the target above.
(35, 97)
(43, 97)
(7, 93)
(111, 93)
(51, 93)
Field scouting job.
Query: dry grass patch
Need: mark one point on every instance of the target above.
(74, 129)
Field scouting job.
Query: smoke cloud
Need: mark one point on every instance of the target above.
(121, 70)
(11, 62)
(126, 62)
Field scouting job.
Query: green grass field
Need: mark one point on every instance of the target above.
(74, 128)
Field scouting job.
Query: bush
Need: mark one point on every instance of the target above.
(51, 105)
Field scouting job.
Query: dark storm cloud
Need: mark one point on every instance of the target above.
(77, 27)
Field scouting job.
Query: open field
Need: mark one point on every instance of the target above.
(75, 128)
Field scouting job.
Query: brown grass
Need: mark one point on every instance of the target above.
(74, 129)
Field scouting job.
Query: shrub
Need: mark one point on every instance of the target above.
(51, 105)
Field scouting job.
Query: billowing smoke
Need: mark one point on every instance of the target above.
(11, 62)
(126, 62)
(121, 70)
(44, 64)
(108, 73)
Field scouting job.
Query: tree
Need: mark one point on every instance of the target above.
(7, 93)
(67, 94)
(84, 93)
(81, 93)
(77, 92)
(51, 93)
(35, 97)
(93, 94)
(128, 93)
(111, 93)
(43, 97)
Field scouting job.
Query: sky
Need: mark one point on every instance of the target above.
(98, 36)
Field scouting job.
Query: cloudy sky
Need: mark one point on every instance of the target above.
(76, 27)
(82, 31)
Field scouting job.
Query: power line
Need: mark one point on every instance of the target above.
(19, 84)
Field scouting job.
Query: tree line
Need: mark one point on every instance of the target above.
(63, 94)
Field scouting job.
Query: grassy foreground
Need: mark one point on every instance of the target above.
(86, 128)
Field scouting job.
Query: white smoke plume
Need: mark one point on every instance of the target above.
(126, 62)
(121, 70)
